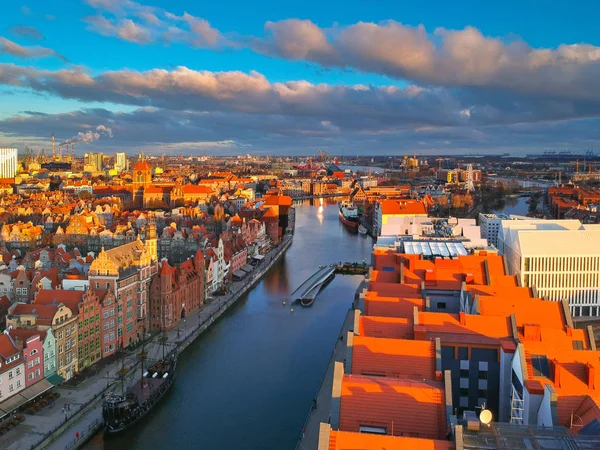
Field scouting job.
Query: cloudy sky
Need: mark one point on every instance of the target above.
(293, 78)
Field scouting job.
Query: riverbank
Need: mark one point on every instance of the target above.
(53, 428)
(310, 197)
(261, 363)
(321, 407)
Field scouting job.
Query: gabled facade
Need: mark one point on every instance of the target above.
(12, 368)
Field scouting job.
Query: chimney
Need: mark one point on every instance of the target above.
(53, 145)
(591, 376)
(556, 370)
(463, 318)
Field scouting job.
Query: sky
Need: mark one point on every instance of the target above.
(348, 77)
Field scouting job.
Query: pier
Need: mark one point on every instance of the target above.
(310, 288)
(307, 291)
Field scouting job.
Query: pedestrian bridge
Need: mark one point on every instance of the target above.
(307, 291)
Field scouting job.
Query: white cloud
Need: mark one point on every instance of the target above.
(12, 48)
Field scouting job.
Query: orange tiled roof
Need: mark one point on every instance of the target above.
(392, 306)
(406, 206)
(403, 407)
(386, 327)
(394, 358)
(344, 440)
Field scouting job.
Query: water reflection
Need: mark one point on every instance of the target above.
(277, 281)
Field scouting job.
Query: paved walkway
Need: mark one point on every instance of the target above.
(310, 432)
(37, 427)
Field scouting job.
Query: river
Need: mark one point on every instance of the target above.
(515, 205)
(249, 380)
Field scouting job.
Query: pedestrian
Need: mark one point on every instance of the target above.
(63, 411)
(314, 403)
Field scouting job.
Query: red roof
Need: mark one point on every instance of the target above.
(44, 313)
(142, 165)
(7, 348)
(196, 189)
(69, 298)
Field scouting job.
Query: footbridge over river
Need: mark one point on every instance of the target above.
(307, 291)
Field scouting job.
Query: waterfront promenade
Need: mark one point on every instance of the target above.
(77, 412)
(319, 412)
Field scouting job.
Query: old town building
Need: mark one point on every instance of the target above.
(126, 271)
(88, 308)
(57, 317)
(176, 292)
(31, 344)
(12, 368)
(142, 178)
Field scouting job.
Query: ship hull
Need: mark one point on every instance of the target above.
(348, 223)
(111, 429)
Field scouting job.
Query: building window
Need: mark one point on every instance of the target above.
(10, 375)
(11, 388)
(372, 430)
(464, 392)
(18, 383)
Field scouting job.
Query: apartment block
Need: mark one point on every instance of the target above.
(436, 340)
(560, 259)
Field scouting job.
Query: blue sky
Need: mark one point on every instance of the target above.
(378, 77)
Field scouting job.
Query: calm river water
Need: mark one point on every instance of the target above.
(249, 380)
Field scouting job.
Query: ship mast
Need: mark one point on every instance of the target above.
(143, 356)
(121, 374)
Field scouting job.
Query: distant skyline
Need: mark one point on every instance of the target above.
(368, 78)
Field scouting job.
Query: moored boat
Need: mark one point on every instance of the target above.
(349, 216)
(121, 412)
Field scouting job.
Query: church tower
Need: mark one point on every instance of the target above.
(151, 241)
(142, 177)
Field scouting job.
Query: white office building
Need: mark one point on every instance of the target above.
(559, 258)
(8, 162)
(121, 162)
(490, 225)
